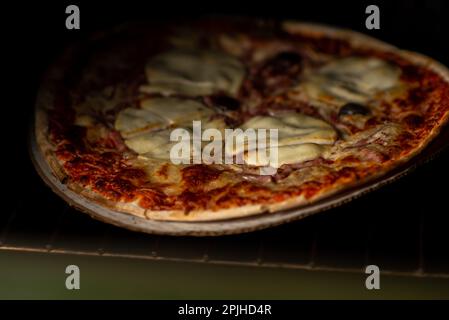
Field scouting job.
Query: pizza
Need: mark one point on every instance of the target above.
(346, 109)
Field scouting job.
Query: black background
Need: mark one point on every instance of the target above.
(34, 34)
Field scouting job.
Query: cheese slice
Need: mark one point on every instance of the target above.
(157, 145)
(150, 142)
(300, 138)
(174, 110)
(194, 73)
(286, 155)
(146, 130)
(354, 79)
(132, 121)
(159, 113)
(293, 128)
(84, 120)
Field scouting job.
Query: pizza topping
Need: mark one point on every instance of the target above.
(235, 44)
(158, 113)
(281, 71)
(283, 63)
(146, 130)
(294, 128)
(300, 138)
(132, 121)
(352, 108)
(288, 154)
(366, 145)
(116, 141)
(155, 145)
(175, 110)
(194, 73)
(351, 80)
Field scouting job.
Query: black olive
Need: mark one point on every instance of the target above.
(288, 56)
(225, 103)
(352, 108)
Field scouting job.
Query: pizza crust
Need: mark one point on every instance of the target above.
(46, 97)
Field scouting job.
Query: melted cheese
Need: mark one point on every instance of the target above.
(300, 138)
(351, 80)
(158, 113)
(295, 128)
(194, 73)
(141, 128)
(287, 154)
(174, 110)
(131, 121)
(155, 145)
(151, 143)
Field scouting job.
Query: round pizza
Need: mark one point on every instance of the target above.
(163, 121)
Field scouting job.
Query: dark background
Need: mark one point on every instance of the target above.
(392, 221)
